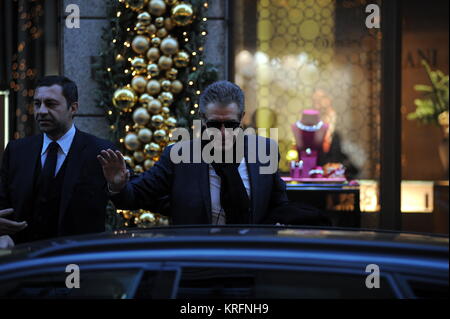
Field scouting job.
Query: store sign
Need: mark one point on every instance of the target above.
(413, 58)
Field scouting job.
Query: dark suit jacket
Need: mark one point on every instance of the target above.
(186, 187)
(84, 197)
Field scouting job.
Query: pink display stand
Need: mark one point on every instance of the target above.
(338, 180)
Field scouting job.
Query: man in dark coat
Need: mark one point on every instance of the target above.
(51, 184)
(201, 192)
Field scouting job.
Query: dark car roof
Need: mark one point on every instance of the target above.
(408, 261)
(265, 235)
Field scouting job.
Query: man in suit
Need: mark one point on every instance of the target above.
(202, 193)
(51, 182)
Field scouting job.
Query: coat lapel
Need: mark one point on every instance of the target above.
(74, 164)
(201, 171)
(252, 170)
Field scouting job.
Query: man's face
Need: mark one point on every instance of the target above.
(51, 111)
(221, 116)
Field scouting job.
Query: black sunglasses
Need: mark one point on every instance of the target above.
(227, 124)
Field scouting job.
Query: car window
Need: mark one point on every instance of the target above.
(108, 283)
(262, 283)
(94, 284)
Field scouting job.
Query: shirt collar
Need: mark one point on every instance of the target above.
(64, 141)
(242, 163)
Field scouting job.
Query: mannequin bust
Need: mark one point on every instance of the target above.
(309, 133)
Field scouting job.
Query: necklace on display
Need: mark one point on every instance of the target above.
(309, 128)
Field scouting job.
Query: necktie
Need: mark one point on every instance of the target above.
(44, 221)
(233, 195)
(48, 171)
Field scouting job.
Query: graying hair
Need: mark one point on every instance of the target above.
(222, 93)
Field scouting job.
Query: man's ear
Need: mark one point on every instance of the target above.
(242, 118)
(74, 108)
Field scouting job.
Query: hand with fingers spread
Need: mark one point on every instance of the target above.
(114, 169)
(9, 227)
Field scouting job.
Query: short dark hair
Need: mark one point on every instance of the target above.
(224, 93)
(69, 88)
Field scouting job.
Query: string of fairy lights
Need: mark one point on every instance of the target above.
(150, 79)
(24, 73)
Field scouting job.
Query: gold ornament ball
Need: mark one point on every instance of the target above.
(139, 83)
(132, 142)
(171, 2)
(172, 74)
(120, 58)
(151, 29)
(171, 122)
(170, 132)
(168, 24)
(166, 98)
(136, 5)
(139, 156)
(152, 149)
(140, 28)
(141, 116)
(127, 214)
(176, 87)
(165, 110)
(159, 22)
(154, 106)
(140, 44)
(153, 70)
(138, 64)
(124, 98)
(181, 60)
(166, 85)
(144, 18)
(162, 33)
(159, 136)
(165, 62)
(153, 54)
(182, 14)
(138, 169)
(145, 135)
(146, 219)
(156, 42)
(157, 7)
(148, 164)
(129, 161)
(153, 87)
(169, 46)
(157, 121)
(145, 100)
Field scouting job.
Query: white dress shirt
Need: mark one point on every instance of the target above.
(218, 213)
(64, 146)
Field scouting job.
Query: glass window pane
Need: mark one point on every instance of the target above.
(295, 56)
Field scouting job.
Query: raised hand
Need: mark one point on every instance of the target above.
(114, 169)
